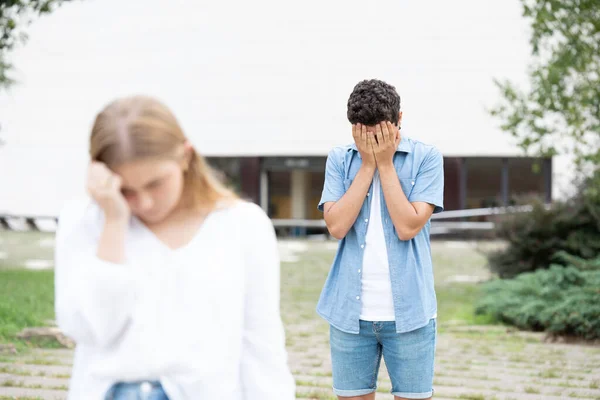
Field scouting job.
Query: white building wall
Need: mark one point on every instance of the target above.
(252, 78)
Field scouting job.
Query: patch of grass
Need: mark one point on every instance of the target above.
(45, 342)
(472, 397)
(19, 384)
(11, 383)
(518, 358)
(27, 300)
(595, 384)
(437, 382)
(456, 302)
(549, 374)
(567, 384)
(515, 347)
(556, 352)
(14, 371)
(301, 284)
(314, 394)
(532, 390)
(43, 361)
(461, 368)
(302, 281)
(485, 351)
(484, 378)
(311, 384)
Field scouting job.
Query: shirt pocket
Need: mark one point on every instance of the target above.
(407, 185)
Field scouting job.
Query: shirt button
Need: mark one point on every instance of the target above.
(366, 219)
(412, 182)
(368, 194)
(357, 297)
(362, 246)
(359, 271)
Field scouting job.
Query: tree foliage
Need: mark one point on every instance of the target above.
(559, 113)
(15, 15)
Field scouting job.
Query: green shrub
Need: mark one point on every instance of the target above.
(559, 300)
(535, 238)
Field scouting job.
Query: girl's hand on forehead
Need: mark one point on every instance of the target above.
(104, 186)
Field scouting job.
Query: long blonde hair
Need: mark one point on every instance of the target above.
(140, 127)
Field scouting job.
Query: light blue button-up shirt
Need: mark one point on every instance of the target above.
(420, 169)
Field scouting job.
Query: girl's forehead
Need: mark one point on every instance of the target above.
(145, 169)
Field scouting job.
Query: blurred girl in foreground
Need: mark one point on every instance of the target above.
(168, 283)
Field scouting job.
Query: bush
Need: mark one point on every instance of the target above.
(535, 238)
(559, 300)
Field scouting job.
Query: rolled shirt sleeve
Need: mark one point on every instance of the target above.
(429, 182)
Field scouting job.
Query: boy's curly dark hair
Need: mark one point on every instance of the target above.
(373, 101)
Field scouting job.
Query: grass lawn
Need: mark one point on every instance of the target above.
(302, 280)
(27, 299)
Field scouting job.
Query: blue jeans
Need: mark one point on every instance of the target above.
(136, 391)
(409, 358)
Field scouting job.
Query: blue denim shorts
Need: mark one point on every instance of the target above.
(147, 390)
(409, 358)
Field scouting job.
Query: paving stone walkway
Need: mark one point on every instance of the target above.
(472, 363)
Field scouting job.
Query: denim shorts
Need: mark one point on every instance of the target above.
(147, 390)
(409, 358)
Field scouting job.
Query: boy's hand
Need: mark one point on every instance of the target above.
(388, 139)
(364, 143)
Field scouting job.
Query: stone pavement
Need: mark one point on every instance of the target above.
(474, 363)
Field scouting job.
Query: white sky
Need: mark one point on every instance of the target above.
(245, 78)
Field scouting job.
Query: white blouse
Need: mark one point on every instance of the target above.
(203, 319)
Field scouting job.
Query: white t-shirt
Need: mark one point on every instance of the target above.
(203, 319)
(377, 300)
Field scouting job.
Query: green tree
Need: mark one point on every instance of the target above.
(14, 16)
(559, 111)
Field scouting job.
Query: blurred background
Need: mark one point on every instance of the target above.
(261, 90)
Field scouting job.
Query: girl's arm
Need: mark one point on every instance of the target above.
(95, 291)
